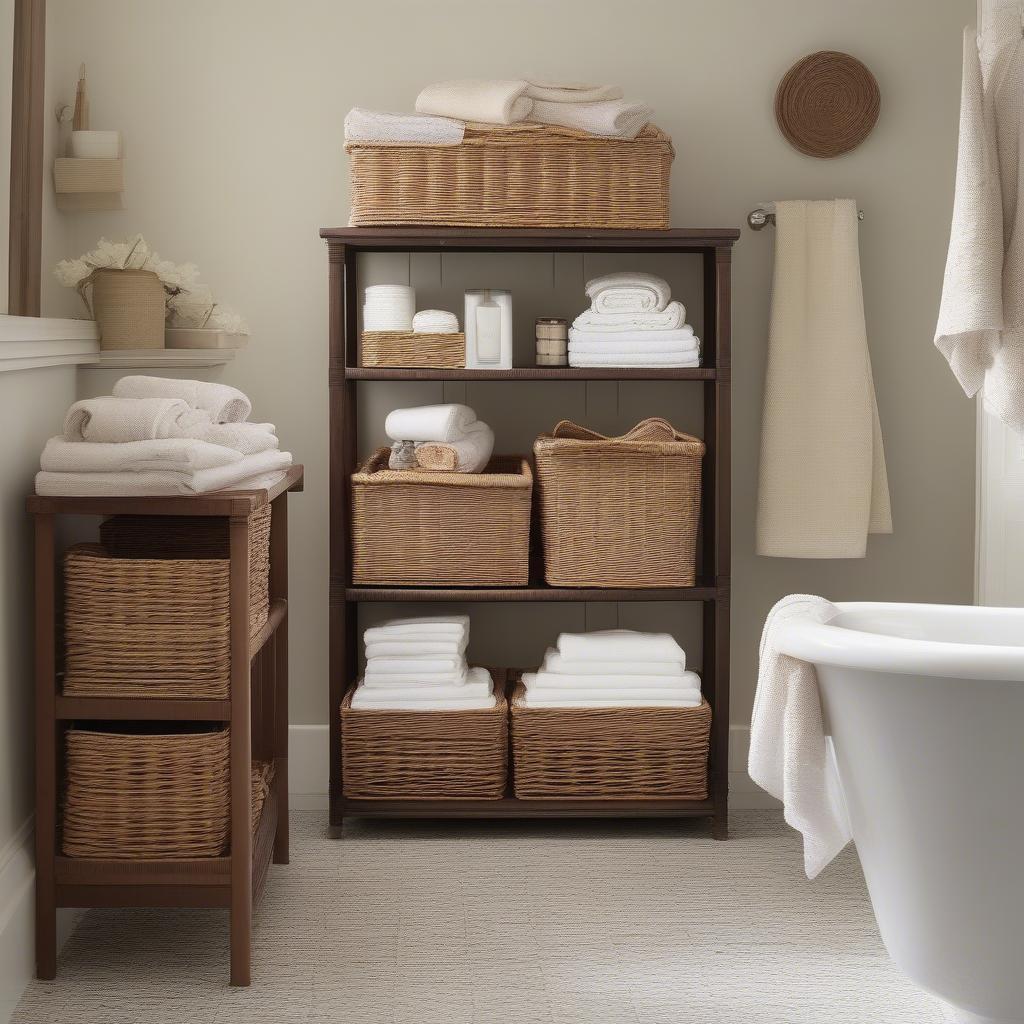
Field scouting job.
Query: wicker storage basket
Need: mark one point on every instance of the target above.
(413, 351)
(525, 175)
(598, 753)
(151, 795)
(414, 528)
(129, 307)
(435, 755)
(621, 511)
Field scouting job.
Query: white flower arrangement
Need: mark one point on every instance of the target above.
(189, 303)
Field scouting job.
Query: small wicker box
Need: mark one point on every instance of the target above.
(435, 755)
(413, 351)
(418, 528)
(619, 511)
(522, 175)
(609, 753)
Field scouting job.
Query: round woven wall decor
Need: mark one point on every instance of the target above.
(827, 103)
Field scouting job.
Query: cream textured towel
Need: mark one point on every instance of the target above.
(621, 645)
(613, 119)
(490, 101)
(571, 92)
(823, 486)
(116, 420)
(178, 454)
(789, 755)
(671, 318)
(981, 318)
(402, 129)
(224, 403)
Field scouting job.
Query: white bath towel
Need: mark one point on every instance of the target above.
(628, 292)
(415, 694)
(388, 680)
(671, 318)
(683, 340)
(536, 700)
(492, 101)
(385, 128)
(224, 403)
(823, 485)
(245, 438)
(416, 648)
(620, 645)
(429, 423)
(179, 454)
(980, 327)
(555, 662)
(427, 665)
(469, 454)
(651, 686)
(612, 119)
(680, 358)
(789, 754)
(423, 627)
(116, 420)
(435, 321)
(553, 91)
(369, 697)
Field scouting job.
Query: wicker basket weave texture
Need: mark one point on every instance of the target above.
(411, 350)
(130, 308)
(437, 755)
(595, 753)
(619, 512)
(141, 795)
(525, 175)
(417, 528)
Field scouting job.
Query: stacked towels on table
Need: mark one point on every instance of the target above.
(161, 436)
(632, 321)
(616, 668)
(420, 665)
(444, 437)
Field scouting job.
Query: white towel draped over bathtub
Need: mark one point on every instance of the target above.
(789, 753)
(823, 486)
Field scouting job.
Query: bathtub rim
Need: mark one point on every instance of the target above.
(842, 646)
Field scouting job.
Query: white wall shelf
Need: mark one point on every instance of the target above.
(160, 358)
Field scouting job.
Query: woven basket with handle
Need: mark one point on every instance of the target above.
(522, 175)
(619, 511)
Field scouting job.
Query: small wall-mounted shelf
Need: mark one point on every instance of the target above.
(86, 184)
(160, 358)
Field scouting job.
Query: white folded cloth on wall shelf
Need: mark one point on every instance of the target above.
(628, 292)
(555, 662)
(429, 626)
(789, 752)
(620, 645)
(416, 648)
(468, 454)
(362, 125)
(612, 119)
(679, 359)
(435, 321)
(552, 91)
(425, 666)
(116, 420)
(178, 454)
(671, 318)
(491, 101)
(224, 403)
(429, 423)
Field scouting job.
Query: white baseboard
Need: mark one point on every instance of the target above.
(308, 753)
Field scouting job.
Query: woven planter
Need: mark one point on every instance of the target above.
(129, 307)
(413, 351)
(609, 753)
(152, 795)
(418, 528)
(425, 755)
(524, 175)
(619, 512)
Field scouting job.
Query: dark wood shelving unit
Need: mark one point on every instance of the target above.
(714, 247)
(256, 711)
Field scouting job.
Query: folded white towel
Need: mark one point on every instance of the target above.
(416, 648)
(570, 92)
(671, 318)
(115, 420)
(628, 292)
(364, 700)
(492, 101)
(388, 680)
(380, 126)
(427, 627)
(245, 438)
(555, 662)
(620, 645)
(469, 454)
(476, 692)
(683, 340)
(680, 358)
(224, 403)
(651, 686)
(413, 666)
(789, 752)
(612, 119)
(435, 321)
(429, 423)
(429, 694)
(179, 454)
(535, 700)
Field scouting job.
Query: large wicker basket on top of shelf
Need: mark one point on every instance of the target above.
(523, 175)
(419, 528)
(619, 511)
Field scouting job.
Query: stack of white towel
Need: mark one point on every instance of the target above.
(616, 668)
(445, 108)
(388, 307)
(420, 665)
(156, 435)
(445, 437)
(632, 322)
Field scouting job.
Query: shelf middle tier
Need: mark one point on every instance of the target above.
(531, 593)
(701, 373)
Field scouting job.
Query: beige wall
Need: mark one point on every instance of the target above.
(232, 115)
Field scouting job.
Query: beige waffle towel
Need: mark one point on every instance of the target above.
(823, 486)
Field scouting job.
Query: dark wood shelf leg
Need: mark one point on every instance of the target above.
(279, 589)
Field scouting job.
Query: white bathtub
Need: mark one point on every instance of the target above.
(925, 704)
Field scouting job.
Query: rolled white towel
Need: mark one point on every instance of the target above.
(628, 292)
(680, 359)
(492, 101)
(178, 454)
(671, 318)
(429, 423)
(470, 454)
(610, 119)
(620, 645)
(570, 92)
(379, 126)
(415, 648)
(116, 420)
(224, 403)
(555, 662)
(435, 321)
(425, 627)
